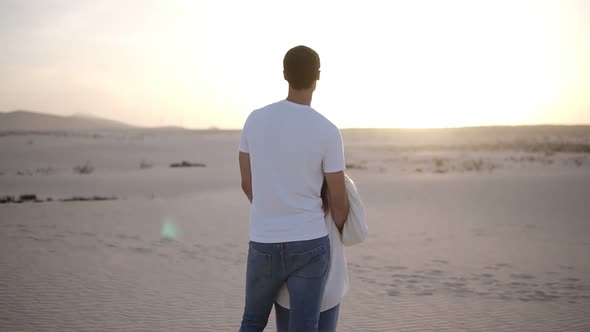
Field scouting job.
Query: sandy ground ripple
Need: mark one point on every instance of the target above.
(462, 251)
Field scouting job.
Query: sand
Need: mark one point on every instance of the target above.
(463, 236)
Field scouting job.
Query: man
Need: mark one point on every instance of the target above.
(286, 150)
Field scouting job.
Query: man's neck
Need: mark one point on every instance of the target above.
(302, 97)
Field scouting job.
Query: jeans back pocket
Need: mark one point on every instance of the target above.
(310, 264)
(259, 264)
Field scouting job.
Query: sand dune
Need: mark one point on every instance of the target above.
(504, 249)
(34, 121)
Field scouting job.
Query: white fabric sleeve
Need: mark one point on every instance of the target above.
(244, 138)
(355, 228)
(334, 154)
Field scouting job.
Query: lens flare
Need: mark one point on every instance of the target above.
(169, 230)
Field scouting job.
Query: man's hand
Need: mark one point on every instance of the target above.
(338, 198)
(246, 174)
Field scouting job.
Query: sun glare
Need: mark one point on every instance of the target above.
(384, 63)
(401, 64)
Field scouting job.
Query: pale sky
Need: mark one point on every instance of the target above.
(384, 63)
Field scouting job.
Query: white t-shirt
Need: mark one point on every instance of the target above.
(290, 146)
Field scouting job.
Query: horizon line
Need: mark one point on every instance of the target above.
(217, 128)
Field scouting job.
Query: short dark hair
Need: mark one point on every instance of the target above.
(301, 66)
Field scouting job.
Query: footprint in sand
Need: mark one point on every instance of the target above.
(123, 236)
(499, 266)
(141, 250)
(522, 276)
(483, 278)
(24, 229)
(434, 272)
(394, 268)
(454, 284)
(573, 287)
(425, 293)
(461, 279)
(193, 254)
(37, 238)
(51, 226)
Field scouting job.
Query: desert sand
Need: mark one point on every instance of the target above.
(476, 229)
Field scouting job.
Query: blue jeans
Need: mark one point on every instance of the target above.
(328, 319)
(303, 265)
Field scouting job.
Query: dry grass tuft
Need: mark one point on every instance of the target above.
(87, 168)
(145, 165)
(187, 164)
(360, 166)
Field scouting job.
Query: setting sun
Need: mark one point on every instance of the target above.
(384, 64)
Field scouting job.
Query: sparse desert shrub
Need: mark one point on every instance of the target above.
(33, 198)
(24, 173)
(438, 161)
(45, 170)
(21, 199)
(548, 148)
(89, 198)
(7, 199)
(27, 197)
(145, 165)
(419, 170)
(356, 166)
(473, 165)
(578, 161)
(87, 168)
(478, 165)
(552, 147)
(187, 164)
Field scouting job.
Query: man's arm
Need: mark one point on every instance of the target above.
(338, 198)
(246, 174)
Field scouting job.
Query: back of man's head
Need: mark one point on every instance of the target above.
(301, 67)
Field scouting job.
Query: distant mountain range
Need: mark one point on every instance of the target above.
(34, 121)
